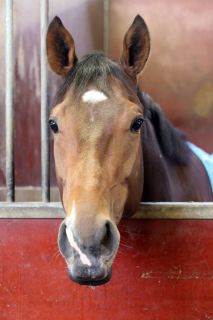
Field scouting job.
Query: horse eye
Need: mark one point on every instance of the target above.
(136, 124)
(53, 125)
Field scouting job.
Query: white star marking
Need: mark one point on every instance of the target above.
(93, 96)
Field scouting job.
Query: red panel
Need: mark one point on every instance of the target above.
(164, 270)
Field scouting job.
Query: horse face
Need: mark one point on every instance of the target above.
(97, 149)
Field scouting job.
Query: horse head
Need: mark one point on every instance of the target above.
(96, 123)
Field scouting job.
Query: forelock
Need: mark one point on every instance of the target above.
(93, 69)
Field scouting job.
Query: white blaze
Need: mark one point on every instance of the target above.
(84, 259)
(93, 96)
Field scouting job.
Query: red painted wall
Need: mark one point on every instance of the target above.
(164, 270)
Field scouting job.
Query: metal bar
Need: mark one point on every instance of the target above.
(29, 194)
(31, 210)
(9, 109)
(106, 27)
(45, 161)
(175, 210)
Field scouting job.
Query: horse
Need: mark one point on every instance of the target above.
(113, 148)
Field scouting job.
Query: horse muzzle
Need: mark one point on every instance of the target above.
(91, 276)
(89, 263)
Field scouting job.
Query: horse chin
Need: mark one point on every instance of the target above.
(88, 281)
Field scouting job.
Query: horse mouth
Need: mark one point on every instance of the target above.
(89, 281)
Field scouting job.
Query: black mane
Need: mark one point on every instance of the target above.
(98, 69)
(171, 140)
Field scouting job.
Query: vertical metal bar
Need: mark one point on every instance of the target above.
(45, 161)
(9, 108)
(106, 26)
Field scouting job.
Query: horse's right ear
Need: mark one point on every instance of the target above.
(60, 48)
(136, 48)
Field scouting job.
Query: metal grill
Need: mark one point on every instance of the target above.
(45, 208)
(9, 105)
(11, 209)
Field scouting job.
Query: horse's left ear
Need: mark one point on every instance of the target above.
(136, 48)
(60, 48)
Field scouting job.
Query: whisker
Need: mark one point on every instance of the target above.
(56, 254)
(126, 246)
(120, 251)
(120, 254)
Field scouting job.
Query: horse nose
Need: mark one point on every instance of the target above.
(100, 242)
(89, 255)
(96, 241)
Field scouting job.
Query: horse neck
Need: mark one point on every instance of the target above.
(165, 181)
(157, 176)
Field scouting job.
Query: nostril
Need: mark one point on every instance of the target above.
(103, 241)
(107, 237)
(110, 239)
(63, 244)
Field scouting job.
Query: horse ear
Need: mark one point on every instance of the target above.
(60, 48)
(136, 48)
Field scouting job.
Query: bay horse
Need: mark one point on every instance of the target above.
(113, 148)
